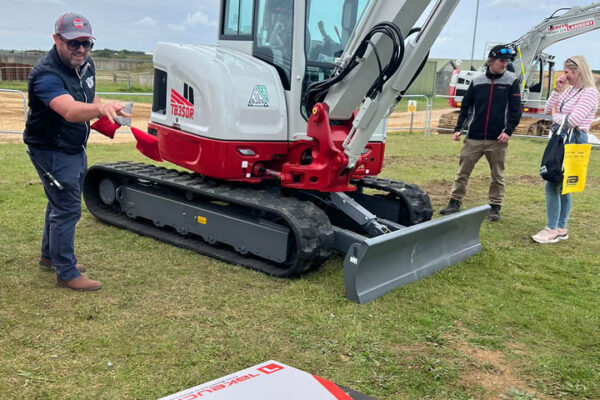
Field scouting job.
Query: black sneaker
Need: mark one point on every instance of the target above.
(452, 207)
(494, 214)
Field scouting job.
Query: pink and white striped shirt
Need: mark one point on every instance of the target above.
(579, 104)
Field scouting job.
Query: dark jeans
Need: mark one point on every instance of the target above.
(63, 209)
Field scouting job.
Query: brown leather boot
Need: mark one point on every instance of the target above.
(81, 283)
(46, 264)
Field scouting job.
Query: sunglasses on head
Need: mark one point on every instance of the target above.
(504, 52)
(74, 44)
(571, 61)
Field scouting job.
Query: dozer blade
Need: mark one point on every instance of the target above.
(374, 266)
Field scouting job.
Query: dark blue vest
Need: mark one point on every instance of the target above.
(44, 127)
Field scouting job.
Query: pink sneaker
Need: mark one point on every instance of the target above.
(546, 235)
(561, 234)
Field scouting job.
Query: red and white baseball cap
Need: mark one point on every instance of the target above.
(73, 26)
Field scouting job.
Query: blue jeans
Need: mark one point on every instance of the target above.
(64, 207)
(558, 206)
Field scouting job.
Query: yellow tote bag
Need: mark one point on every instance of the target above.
(575, 164)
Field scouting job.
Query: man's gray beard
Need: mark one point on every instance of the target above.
(75, 66)
(69, 62)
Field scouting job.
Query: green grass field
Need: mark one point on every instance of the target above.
(518, 321)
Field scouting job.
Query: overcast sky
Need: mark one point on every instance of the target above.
(139, 25)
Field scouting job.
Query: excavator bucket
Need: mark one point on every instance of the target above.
(374, 266)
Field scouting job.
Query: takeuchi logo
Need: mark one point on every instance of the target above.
(180, 106)
(561, 28)
(206, 392)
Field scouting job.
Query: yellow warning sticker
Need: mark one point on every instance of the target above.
(201, 220)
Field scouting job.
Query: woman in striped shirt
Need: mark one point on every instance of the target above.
(575, 98)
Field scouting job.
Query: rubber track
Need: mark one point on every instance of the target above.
(309, 225)
(415, 201)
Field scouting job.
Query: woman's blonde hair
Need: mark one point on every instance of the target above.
(581, 66)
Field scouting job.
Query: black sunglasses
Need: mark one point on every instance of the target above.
(74, 44)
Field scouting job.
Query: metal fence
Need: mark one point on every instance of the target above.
(122, 78)
(15, 73)
(416, 120)
(13, 104)
(423, 118)
(126, 78)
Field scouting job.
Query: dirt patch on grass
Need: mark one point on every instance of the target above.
(532, 180)
(489, 370)
(438, 190)
(594, 180)
(485, 374)
(412, 162)
(536, 180)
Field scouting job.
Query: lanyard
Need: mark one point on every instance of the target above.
(567, 100)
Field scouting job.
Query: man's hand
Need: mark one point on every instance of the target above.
(112, 110)
(457, 136)
(503, 138)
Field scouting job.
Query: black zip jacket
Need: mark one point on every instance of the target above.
(492, 105)
(44, 127)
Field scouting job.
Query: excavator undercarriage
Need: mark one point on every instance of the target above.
(286, 233)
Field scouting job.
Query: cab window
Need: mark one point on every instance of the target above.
(329, 25)
(237, 19)
(273, 39)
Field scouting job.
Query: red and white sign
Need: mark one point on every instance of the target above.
(270, 380)
(77, 23)
(563, 28)
(180, 106)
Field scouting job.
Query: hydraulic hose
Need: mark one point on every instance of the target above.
(318, 91)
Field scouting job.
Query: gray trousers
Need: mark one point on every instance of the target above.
(471, 152)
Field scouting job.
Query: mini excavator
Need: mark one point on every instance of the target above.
(281, 126)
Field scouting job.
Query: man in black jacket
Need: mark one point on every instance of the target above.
(492, 109)
(62, 101)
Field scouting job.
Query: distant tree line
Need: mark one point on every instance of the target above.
(110, 53)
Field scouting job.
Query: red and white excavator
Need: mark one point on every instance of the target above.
(282, 125)
(531, 65)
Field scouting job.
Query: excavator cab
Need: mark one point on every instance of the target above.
(538, 85)
(276, 185)
(298, 38)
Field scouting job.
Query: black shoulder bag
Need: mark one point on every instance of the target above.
(551, 168)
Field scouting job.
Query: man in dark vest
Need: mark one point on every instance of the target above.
(62, 101)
